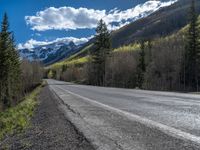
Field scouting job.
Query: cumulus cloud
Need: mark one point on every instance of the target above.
(30, 44)
(69, 18)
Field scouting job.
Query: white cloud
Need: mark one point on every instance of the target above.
(31, 44)
(69, 18)
(34, 43)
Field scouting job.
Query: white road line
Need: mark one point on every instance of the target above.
(150, 123)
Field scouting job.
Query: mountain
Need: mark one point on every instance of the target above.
(160, 23)
(51, 53)
(163, 22)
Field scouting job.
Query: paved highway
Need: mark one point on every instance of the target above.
(115, 118)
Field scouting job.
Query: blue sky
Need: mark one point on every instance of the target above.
(38, 22)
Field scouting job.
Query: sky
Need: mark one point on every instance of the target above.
(41, 22)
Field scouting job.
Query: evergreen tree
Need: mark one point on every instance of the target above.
(16, 85)
(4, 62)
(149, 46)
(102, 50)
(192, 56)
(141, 68)
(9, 66)
(142, 57)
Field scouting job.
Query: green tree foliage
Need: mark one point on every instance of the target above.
(9, 66)
(192, 52)
(15, 79)
(102, 50)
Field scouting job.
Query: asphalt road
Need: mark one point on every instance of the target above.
(114, 118)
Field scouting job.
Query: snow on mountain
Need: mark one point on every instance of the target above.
(58, 50)
(49, 53)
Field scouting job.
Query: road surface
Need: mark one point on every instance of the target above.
(114, 118)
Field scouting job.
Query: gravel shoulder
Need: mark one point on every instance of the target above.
(49, 130)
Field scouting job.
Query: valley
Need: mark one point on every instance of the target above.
(104, 75)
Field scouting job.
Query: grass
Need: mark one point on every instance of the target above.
(16, 119)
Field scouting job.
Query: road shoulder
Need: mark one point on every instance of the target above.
(50, 130)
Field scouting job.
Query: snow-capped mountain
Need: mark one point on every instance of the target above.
(49, 53)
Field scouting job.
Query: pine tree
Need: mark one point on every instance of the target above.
(141, 68)
(102, 50)
(9, 66)
(142, 57)
(4, 62)
(192, 57)
(149, 46)
(16, 85)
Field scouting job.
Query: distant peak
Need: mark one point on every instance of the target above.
(72, 44)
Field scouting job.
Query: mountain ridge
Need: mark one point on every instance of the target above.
(163, 22)
(160, 23)
(152, 26)
(50, 53)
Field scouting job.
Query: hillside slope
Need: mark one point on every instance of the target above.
(161, 23)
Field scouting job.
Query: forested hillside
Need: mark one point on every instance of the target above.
(163, 63)
(162, 56)
(161, 23)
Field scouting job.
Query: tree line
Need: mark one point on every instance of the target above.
(17, 76)
(164, 65)
(191, 66)
(169, 63)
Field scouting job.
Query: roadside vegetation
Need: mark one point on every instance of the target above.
(168, 63)
(18, 79)
(17, 118)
